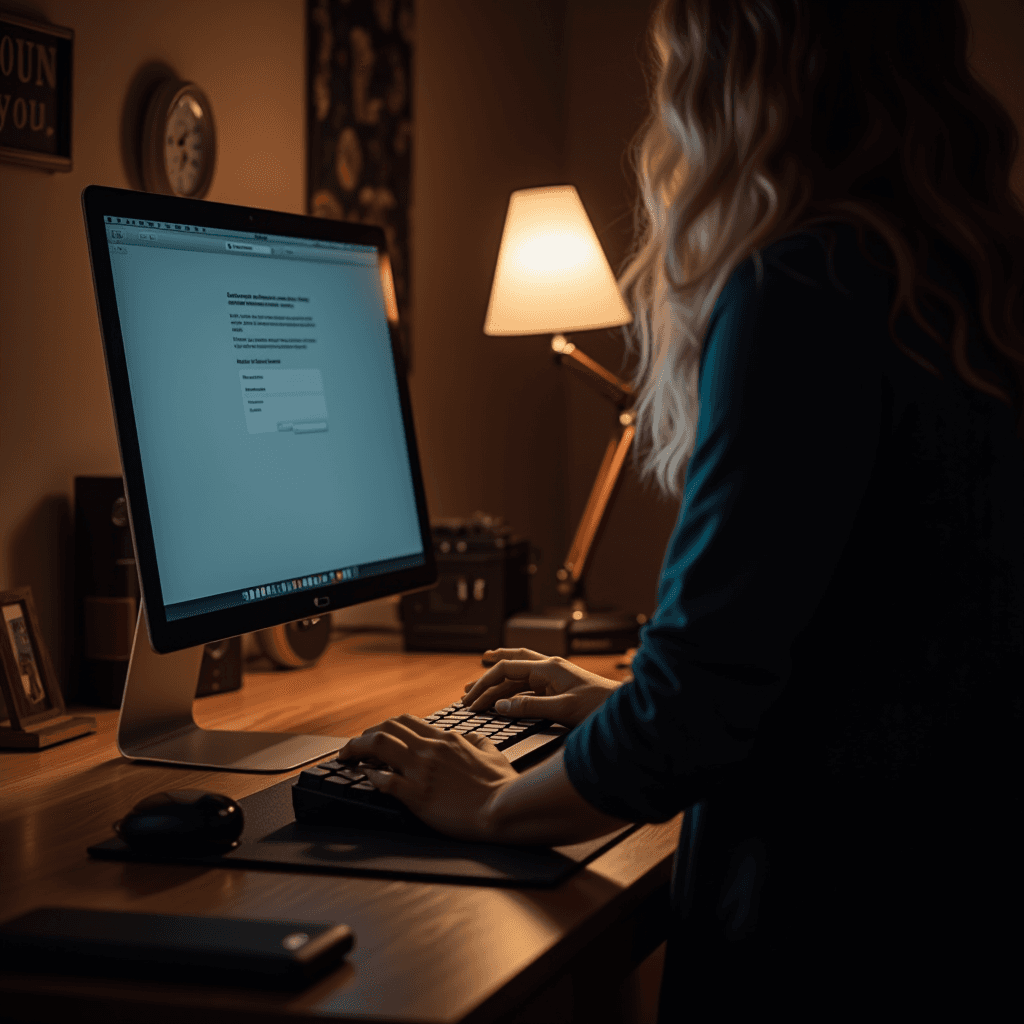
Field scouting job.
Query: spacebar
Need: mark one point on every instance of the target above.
(533, 748)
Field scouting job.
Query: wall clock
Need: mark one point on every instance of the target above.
(178, 141)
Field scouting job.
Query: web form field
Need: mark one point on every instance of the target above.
(283, 400)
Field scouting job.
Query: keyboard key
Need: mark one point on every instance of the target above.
(351, 774)
(311, 778)
(335, 782)
(332, 765)
(365, 787)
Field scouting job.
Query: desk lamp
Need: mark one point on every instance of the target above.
(552, 277)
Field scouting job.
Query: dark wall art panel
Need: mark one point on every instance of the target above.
(360, 122)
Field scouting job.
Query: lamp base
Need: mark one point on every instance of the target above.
(564, 632)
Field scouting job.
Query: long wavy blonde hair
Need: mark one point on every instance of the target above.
(769, 115)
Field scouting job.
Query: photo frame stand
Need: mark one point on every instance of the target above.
(31, 695)
(46, 734)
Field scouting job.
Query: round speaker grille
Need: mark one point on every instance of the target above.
(296, 644)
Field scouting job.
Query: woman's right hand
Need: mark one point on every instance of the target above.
(525, 684)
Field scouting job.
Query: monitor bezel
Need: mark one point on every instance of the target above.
(166, 635)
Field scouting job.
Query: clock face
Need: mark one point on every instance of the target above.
(178, 144)
(185, 149)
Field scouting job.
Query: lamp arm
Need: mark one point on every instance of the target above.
(571, 572)
(592, 371)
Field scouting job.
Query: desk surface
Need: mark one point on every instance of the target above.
(424, 951)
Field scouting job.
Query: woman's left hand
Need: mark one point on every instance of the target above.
(446, 779)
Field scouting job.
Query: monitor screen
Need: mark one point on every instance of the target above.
(270, 461)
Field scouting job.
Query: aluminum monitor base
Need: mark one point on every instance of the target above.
(156, 721)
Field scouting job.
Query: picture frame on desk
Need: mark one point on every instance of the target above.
(37, 717)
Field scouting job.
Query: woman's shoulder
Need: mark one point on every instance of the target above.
(807, 266)
(833, 256)
(803, 277)
(803, 300)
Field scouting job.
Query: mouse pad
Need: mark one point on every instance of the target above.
(272, 839)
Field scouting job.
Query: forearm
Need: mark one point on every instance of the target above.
(542, 807)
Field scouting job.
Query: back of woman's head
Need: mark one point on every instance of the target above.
(768, 115)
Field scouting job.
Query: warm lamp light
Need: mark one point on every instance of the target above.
(552, 275)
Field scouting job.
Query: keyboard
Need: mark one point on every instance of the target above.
(339, 794)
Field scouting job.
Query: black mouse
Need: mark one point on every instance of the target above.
(183, 823)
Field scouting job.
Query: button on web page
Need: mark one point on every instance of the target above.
(263, 250)
(283, 400)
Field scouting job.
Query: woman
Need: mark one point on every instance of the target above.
(828, 298)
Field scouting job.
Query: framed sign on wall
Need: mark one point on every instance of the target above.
(359, 110)
(35, 93)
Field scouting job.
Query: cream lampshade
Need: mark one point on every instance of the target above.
(552, 275)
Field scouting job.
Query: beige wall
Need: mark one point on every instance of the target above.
(55, 417)
(507, 94)
(489, 118)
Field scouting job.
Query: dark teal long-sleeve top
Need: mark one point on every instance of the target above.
(838, 647)
(845, 583)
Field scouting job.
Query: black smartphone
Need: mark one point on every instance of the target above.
(221, 950)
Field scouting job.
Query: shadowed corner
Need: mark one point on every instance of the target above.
(41, 556)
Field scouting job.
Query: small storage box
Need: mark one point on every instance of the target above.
(483, 577)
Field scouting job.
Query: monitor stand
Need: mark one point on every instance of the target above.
(156, 722)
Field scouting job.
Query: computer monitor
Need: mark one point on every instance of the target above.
(266, 437)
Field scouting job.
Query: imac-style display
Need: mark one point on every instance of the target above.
(266, 435)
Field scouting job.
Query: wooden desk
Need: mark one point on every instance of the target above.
(424, 951)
